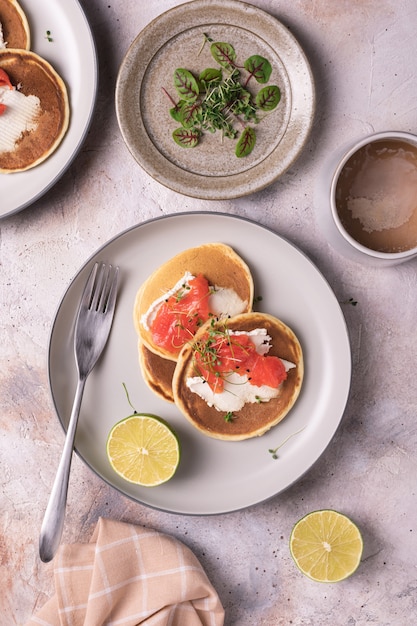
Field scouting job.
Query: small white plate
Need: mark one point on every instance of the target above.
(214, 476)
(72, 53)
(174, 39)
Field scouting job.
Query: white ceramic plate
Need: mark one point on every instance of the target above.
(214, 476)
(211, 170)
(72, 53)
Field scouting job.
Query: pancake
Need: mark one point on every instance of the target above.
(217, 262)
(36, 115)
(157, 372)
(256, 418)
(14, 25)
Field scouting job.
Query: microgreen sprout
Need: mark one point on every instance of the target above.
(206, 349)
(273, 451)
(128, 399)
(206, 39)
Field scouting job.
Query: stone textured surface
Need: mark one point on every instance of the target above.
(363, 58)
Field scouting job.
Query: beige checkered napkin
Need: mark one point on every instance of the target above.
(129, 575)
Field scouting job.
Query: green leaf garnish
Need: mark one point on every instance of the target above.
(246, 142)
(258, 67)
(185, 84)
(223, 53)
(187, 138)
(188, 114)
(268, 97)
(219, 100)
(175, 112)
(210, 75)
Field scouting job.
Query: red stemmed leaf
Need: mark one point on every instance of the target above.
(258, 67)
(246, 142)
(186, 137)
(268, 97)
(223, 53)
(188, 114)
(186, 85)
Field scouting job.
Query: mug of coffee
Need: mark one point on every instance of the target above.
(366, 199)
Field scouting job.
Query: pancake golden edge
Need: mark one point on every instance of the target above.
(254, 419)
(220, 265)
(15, 26)
(157, 372)
(36, 76)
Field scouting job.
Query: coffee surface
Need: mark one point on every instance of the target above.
(376, 196)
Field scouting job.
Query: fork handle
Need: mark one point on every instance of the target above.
(53, 521)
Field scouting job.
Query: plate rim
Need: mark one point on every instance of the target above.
(347, 361)
(164, 170)
(77, 144)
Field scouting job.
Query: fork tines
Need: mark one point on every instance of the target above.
(100, 290)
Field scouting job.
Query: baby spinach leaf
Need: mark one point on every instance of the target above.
(186, 138)
(223, 53)
(268, 97)
(258, 67)
(246, 142)
(185, 84)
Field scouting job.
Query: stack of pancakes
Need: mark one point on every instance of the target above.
(166, 374)
(221, 266)
(37, 112)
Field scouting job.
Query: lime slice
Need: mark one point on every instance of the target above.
(326, 546)
(143, 449)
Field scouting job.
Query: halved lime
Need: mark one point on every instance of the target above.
(143, 449)
(326, 546)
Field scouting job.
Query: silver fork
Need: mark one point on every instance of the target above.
(92, 328)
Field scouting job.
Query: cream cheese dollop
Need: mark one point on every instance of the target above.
(20, 116)
(237, 390)
(3, 43)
